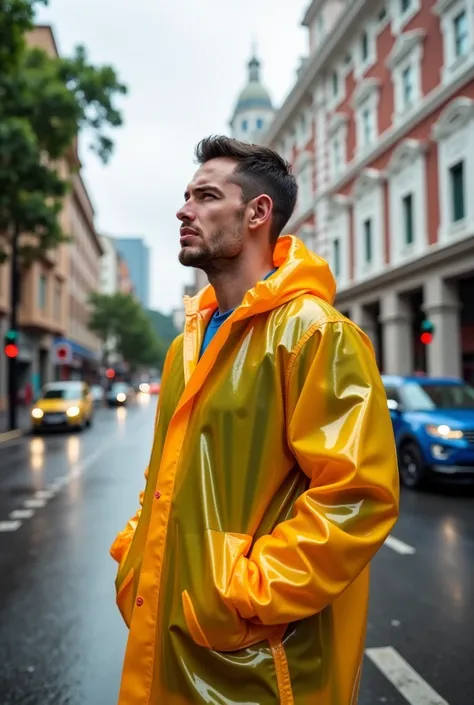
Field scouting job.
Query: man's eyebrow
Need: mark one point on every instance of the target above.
(203, 187)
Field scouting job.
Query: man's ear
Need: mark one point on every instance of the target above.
(260, 212)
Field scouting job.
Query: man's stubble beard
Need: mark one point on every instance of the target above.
(221, 248)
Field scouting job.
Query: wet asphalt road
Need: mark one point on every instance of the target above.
(62, 639)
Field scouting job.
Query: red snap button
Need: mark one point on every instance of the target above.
(157, 495)
(139, 601)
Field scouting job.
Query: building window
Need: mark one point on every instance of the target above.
(244, 125)
(320, 25)
(367, 127)
(461, 35)
(336, 148)
(382, 15)
(403, 12)
(365, 103)
(338, 226)
(368, 252)
(57, 302)
(259, 124)
(406, 172)
(303, 131)
(457, 29)
(456, 175)
(336, 257)
(405, 61)
(335, 84)
(454, 133)
(408, 219)
(337, 144)
(407, 87)
(305, 183)
(42, 292)
(364, 47)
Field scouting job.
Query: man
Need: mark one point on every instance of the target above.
(273, 477)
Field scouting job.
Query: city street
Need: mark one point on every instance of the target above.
(64, 496)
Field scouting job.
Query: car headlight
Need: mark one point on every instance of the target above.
(73, 411)
(37, 413)
(121, 396)
(444, 431)
(144, 388)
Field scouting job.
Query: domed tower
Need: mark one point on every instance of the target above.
(254, 110)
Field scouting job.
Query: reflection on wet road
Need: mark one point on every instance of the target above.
(63, 497)
(61, 638)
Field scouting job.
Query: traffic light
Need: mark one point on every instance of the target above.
(110, 373)
(427, 332)
(10, 347)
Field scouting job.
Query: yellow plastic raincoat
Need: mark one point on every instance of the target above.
(271, 484)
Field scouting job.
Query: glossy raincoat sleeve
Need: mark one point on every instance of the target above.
(120, 546)
(339, 431)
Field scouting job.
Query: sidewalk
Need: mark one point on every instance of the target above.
(22, 416)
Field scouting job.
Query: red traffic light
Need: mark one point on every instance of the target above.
(11, 350)
(426, 338)
(110, 374)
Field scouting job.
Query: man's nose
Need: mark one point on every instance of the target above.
(186, 213)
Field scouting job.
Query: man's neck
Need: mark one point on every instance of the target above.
(232, 284)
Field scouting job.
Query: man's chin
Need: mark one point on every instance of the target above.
(192, 257)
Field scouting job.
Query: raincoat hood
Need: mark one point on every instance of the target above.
(299, 272)
(271, 484)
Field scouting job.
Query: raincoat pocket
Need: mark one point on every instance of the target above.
(126, 597)
(211, 619)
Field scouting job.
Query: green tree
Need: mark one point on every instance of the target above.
(119, 317)
(44, 103)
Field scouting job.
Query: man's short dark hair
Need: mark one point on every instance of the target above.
(259, 171)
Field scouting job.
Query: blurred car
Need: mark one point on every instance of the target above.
(97, 393)
(433, 423)
(118, 394)
(63, 404)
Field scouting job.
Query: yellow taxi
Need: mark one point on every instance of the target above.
(63, 405)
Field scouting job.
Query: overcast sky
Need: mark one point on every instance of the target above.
(184, 62)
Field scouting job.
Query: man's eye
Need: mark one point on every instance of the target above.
(208, 195)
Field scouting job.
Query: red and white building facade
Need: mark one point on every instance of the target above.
(379, 128)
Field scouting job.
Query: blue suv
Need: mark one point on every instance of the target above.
(433, 423)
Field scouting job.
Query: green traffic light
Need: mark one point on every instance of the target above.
(11, 336)
(427, 326)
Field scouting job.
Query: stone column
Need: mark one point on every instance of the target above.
(365, 319)
(441, 307)
(397, 334)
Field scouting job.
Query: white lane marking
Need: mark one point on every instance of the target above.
(34, 503)
(22, 514)
(399, 546)
(58, 484)
(81, 466)
(406, 680)
(44, 494)
(9, 525)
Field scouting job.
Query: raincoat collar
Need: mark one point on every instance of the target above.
(299, 272)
